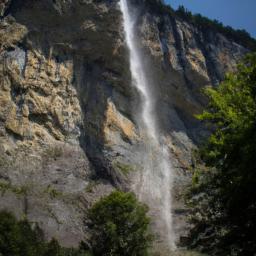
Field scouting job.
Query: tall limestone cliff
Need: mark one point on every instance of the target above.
(68, 132)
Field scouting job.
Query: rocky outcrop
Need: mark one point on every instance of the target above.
(68, 132)
(49, 72)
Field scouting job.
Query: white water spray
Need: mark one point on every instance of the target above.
(155, 181)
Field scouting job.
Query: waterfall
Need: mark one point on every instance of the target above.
(155, 180)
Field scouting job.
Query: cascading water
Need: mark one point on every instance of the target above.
(154, 184)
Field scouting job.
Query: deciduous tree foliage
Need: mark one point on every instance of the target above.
(19, 238)
(119, 226)
(230, 155)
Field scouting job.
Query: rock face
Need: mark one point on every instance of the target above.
(68, 133)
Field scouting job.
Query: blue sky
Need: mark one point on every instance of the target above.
(239, 14)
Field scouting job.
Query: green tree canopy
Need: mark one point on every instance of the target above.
(119, 226)
(19, 238)
(230, 154)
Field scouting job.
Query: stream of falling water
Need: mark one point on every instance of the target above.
(155, 181)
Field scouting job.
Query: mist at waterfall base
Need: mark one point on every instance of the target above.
(153, 186)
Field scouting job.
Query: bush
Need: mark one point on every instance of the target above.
(18, 238)
(119, 226)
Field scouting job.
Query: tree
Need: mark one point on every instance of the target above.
(229, 154)
(119, 226)
(18, 238)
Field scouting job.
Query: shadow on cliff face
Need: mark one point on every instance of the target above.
(177, 95)
(181, 59)
(88, 35)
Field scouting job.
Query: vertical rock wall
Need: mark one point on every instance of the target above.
(67, 129)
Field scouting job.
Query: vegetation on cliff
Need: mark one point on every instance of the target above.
(118, 226)
(224, 190)
(21, 238)
(240, 36)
